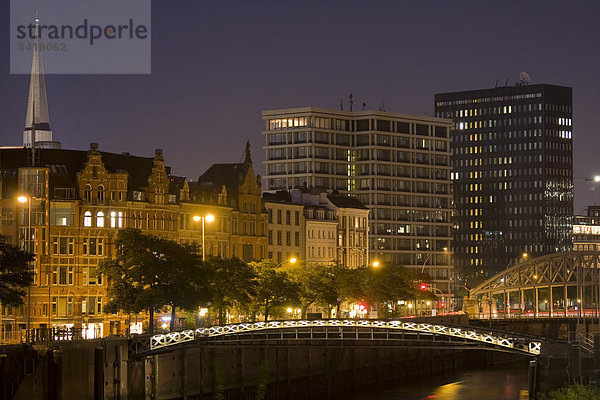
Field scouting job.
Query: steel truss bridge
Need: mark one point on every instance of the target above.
(346, 331)
(556, 285)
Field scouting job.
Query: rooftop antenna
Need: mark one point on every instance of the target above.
(524, 79)
(351, 101)
(496, 83)
(341, 104)
(364, 106)
(382, 106)
(506, 83)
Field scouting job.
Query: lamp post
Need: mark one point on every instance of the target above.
(208, 218)
(292, 260)
(26, 245)
(596, 180)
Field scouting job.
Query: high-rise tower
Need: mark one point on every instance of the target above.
(512, 169)
(37, 104)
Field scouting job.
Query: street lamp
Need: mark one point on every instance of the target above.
(292, 260)
(208, 218)
(375, 264)
(596, 180)
(26, 245)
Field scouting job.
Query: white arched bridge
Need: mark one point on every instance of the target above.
(556, 286)
(344, 331)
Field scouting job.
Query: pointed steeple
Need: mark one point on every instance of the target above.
(37, 103)
(248, 157)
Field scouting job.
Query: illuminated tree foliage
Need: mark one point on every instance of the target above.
(274, 287)
(15, 274)
(233, 284)
(149, 273)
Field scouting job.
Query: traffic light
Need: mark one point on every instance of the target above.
(362, 307)
(423, 287)
(442, 304)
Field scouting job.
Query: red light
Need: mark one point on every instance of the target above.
(423, 286)
(443, 304)
(361, 307)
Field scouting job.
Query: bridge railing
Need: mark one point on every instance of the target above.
(517, 342)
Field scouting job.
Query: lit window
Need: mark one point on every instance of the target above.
(120, 219)
(113, 219)
(100, 219)
(87, 219)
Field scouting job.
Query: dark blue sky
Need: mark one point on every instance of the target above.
(215, 67)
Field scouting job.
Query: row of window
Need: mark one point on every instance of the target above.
(281, 239)
(115, 219)
(279, 217)
(65, 276)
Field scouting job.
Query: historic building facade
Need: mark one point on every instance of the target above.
(76, 202)
(586, 230)
(317, 227)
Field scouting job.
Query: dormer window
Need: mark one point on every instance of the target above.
(138, 195)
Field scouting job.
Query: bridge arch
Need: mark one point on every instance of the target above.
(348, 329)
(555, 285)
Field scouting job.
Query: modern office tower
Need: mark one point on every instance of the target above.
(512, 173)
(398, 165)
(586, 230)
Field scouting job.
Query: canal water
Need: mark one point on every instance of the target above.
(506, 382)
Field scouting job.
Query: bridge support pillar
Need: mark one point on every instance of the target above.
(532, 379)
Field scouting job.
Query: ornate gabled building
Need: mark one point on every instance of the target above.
(79, 200)
(238, 187)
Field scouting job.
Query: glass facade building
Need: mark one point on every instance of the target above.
(512, 172)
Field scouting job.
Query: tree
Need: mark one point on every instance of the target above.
(149, 273)
(15, 274)
(317, 284)
(273, 286)
(387, 284)
(234, 284)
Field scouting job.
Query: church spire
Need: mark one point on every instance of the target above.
(37, 104)
(248, 157)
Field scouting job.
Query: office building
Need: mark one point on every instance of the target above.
(397, 165)
(512, 170)
(586, 230)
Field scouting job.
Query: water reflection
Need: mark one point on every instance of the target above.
(501, 383)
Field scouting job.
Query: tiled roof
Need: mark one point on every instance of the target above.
(65, 164)
(222, 174)
(343, 201)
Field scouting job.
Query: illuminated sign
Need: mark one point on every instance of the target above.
(586, 229)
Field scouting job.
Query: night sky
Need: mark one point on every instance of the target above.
(215, 67)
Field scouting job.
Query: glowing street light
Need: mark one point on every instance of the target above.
(208, 218)
(375, 264)
(292, 260)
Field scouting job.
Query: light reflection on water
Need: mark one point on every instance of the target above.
(500, 383)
